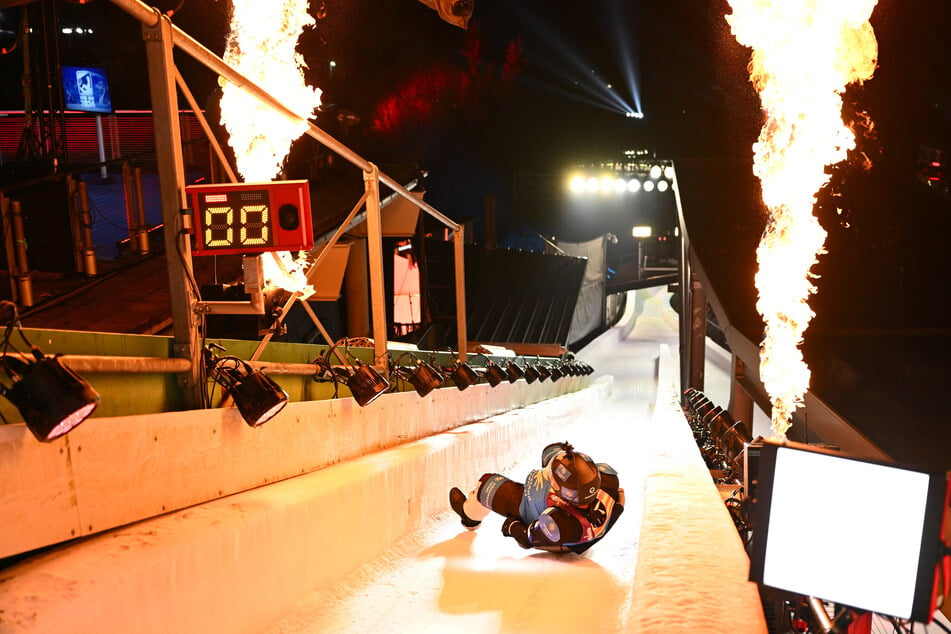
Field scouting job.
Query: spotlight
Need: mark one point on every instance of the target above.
(462, 375)
(366, 384)
(424, 377)
(648, 186)
(531, 373)
(633, 185)
(669, 172)
(493, 373)
(656, 172)
(514, 371)
(577, 184)
(257, 397)
(663, 186)
(51, 397)
(544, 372)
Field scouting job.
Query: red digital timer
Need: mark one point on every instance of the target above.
(251, 217)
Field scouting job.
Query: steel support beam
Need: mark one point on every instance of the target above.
(171, 172)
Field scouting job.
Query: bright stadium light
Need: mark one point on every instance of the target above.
(633, 185)
(576, 185)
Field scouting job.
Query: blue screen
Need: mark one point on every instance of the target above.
(85, 88)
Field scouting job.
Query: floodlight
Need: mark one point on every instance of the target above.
(663, 186)
(633, 185)
(648, 186)
(813, 534)
(641, 232)
(514, 371)
(257, 397)
(364, 381)
(423, 376)
(656, 172)
(576, 184)
(531, 373)
(669, 172)
(366, 384)
(462, 375)
(50, 396)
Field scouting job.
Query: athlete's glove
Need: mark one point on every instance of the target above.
(597, 514)
(516, 529)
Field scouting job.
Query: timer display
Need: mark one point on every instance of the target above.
(238, 218)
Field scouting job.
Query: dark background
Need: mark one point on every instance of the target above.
(489, 109)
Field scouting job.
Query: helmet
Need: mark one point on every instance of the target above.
(574, 477)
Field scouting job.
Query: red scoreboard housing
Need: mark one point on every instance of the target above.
(239, 218)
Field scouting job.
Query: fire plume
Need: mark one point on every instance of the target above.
(804, 55)
(262, 46)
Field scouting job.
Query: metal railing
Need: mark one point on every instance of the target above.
(161, 36)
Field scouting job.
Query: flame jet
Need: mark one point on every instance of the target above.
(804, 55)
(262, 46)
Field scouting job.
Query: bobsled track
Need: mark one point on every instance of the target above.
(368, 544)
(303, 554)
(680, 569)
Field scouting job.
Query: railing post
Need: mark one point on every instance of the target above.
(5, 204)
(371, 181)
(141, 228)
(171, 172)
(22, 274)
(87, 247)
(462, 336)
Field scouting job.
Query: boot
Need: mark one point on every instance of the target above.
(456, 501)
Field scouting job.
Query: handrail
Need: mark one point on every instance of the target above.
(150, 16)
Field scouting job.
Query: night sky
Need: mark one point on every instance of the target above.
(479, 107)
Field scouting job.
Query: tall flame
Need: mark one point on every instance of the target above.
(804, 54)
(262, 46)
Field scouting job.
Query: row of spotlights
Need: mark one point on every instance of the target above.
(613, 185)
(721, 439)
(425, 376)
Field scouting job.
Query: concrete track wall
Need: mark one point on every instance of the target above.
(112, 471)
(237, 563)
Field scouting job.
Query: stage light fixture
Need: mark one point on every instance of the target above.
(663, 186)
(633, 185)
(669, 172)
(423, 376)
(514, 371)
(462, 375)
(493, 373)
(50, 396)
(531, 373)
(648, 186)
(257, 397)
(366, 384)
(544, 373)
(656, 172)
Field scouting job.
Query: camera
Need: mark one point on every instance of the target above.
(461, 8)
